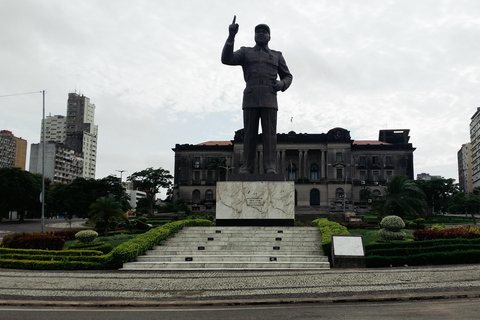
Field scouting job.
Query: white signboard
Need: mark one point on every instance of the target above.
(347, 246)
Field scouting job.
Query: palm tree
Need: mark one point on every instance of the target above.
(403, 198)
(217, 164)
(106, 210)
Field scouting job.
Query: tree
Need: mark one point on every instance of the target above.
(438, 193)
(465, 203)
(19, 191)
(106, 210)
(151, 181)
(402, 198)
(74, 199)
(219, 165)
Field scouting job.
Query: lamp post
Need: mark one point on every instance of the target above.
(121, 174)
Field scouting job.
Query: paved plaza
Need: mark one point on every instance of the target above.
(180, 288)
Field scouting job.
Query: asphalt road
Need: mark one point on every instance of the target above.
(465, 309)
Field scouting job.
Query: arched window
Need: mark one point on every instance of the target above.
(292, 171)
(209, 195)
(196, 196)
(314, 197)
(376, 192)
(314, 172)
(339, 193)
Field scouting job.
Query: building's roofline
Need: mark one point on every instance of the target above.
(370, 143)
(215, 143)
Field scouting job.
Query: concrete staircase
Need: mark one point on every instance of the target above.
(236, 248)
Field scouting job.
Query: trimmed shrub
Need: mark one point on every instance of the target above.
(467, 232)
(38, 241)
(327, 229)
(97, 246)
(391, 226)
(86, 236)
(392, 223)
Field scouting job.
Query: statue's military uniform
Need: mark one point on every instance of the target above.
(261, 66)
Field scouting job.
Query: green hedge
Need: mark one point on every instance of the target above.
(70, 259)
(432, 258)
(429, 252)
(327, 229)
(98, 246)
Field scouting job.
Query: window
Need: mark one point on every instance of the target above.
(339, 193)
(388, 160)
(314, 197)
(209, 195)
(196, 196)
(292, 171)
(339, 173)
(363, 175)
(375, 160)
(362, 160)
(314, 172)
(338, 157)
(375, 176)
(389, 175)
(210, 175)
(196, 176)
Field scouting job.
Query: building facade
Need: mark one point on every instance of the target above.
(62, 164)
(13, 150)
(55, 129)
(331, 171)
(475, 142)
(464, 156)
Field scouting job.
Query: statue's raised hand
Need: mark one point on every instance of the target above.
(233, 28)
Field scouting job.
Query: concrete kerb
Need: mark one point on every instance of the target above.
(241, 302)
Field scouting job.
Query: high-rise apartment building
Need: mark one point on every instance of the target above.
(475, 142)
(55, 129)
(81, 131)
(62, 164)
(13, 150)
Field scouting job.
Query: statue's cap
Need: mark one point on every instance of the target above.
(262, 26)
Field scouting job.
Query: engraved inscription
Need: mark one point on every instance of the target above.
(255, 202)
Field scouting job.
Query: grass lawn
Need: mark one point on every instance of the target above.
(371, 235)
(112, 240)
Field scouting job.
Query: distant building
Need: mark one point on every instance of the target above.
(62, 164)
(13, 150)
(55, 129)
(427, 176)
(81, 131)
(69, 137)
(135, 195)
(465, 168)
(331, 171)
(475, 142)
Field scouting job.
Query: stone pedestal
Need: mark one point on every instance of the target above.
(255, 203)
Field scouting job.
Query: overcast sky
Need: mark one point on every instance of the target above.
(153, 70)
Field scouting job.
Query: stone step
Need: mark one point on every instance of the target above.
(222, 265)
(249, 251)
(236, 248)
(227, 258)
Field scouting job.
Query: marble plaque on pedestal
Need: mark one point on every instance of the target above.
(255, 203)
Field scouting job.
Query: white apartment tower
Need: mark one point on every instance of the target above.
(81, 131)
(55, 129)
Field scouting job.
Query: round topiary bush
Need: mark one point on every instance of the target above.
(391, 228)
(86, 236)
(392, 223)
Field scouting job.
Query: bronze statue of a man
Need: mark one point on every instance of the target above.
(260, 65)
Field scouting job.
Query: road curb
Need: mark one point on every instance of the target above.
(239, 302)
